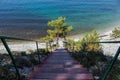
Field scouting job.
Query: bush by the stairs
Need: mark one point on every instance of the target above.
(92, 58)
(70, 44)
(90, 52)
(44, 52)
(115, 71)
(91, 37)
(23, 62)
(6, 74)
(33, 59)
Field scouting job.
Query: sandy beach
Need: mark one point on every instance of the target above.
(109, 48)
(22, 47)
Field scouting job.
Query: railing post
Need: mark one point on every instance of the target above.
(73, 46)
(38, 51)
(11, 56)
(111, 64)
(50, 47)
(47, 45)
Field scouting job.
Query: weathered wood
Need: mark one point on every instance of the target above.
(61, 66)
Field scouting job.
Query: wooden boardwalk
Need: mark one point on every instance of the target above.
(61, 66)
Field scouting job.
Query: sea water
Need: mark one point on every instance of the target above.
(83, 15)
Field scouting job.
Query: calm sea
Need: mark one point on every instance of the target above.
(30, 17)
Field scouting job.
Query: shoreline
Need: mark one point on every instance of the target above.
(109, 49)
(79, 36)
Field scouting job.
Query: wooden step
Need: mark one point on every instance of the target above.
(61, 66)
(64, 76)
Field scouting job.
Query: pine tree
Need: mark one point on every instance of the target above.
(59, 28)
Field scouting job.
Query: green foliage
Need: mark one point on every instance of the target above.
(90, 50)
(23, 62)
(52, 33)
(6, 74)
(34, 56)
(57, 23)
(90, 55)
(30, 51)
(115, 33)
(59, 29)
(59, 26)
(91, 37)
(46, 39)
(44, 52)
(115, 72)
(78, 46)
(70, 44)
(84, 44)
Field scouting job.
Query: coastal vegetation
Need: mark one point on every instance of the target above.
(58, 29)
(24, 61)
(115, 33)
(86, 51)
(84, 43)
(91, 55)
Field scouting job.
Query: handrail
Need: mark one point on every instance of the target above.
(113, 59)
(3, 39)
(14, 38)
(104, 42)
(111, 64)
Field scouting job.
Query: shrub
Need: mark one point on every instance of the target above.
(23, 62)
(30, 51)
(70, 44)
(115, 33)
(78, 46)
(91, 37)
(84, 44)
(23, 53)
(16, 53)
(6, 74)
(115, 72)
(33, 61)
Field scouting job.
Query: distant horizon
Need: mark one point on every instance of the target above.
(29, 18)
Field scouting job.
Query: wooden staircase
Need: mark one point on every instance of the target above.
(61, 66)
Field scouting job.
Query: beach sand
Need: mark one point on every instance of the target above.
(22, 46)
(109, 49)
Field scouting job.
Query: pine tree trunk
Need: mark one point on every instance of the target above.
(64, 36)
(57, 40)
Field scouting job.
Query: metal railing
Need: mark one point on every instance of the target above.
(113, 59)
(4, 38)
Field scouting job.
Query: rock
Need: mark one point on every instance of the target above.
(96, 77)
(25, 71)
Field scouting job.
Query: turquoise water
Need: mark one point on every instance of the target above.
(84, 15)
